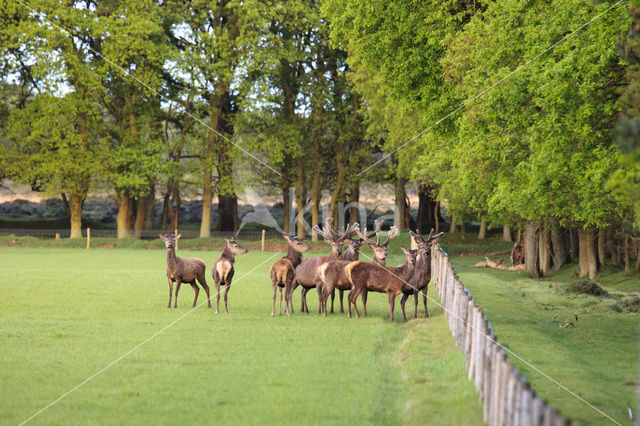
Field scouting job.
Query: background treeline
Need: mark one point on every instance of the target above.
(515, 135)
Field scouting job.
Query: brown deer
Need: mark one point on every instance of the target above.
(283, 273)
(307, 272)
(332, 275)
(419, 281)
(353, 253)
(181, 270)
(222, 270)
(379, 256)
(382, 279)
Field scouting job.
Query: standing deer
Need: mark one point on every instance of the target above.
(222, 270)
(307, 271)
(183, 271)
(283, 273)
(379, 256)
(382, 279)
(332, 273)
(353, 253)
(421, 276)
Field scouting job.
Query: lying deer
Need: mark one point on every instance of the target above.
(222, 270)
(421, 276)
(382, 279)
(183, 271)
(283, 273)
(306, 272)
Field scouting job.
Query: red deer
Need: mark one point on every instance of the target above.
(181, 270)
(306, 273)
(222, 270)
(517, 254)
(283, 273)
(382, 279)
(421, 273)
(353, 253)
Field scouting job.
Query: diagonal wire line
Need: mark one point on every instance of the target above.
(473, 98)
(160, 95)
(529, 364)
(139, 345)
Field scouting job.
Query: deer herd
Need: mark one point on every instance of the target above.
(342, 271)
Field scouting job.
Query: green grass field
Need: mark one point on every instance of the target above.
(596, 357)
(68, 313)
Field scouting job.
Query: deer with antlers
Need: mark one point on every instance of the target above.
(283, 273)
(332, 275)
(419, 281)
(222, 270)
(307, 272)
(382, 279)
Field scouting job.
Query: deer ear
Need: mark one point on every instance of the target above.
(404, 250)
(226, 241)
(178, 236)
(162, 236)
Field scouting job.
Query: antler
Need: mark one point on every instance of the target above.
(327, 232)
(364, 237)
(350, 230)
(393, 232)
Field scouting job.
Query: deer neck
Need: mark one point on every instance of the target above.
(294, 256)
(334, 255)
(379, 261)
(228, 255)
(405, 270)
(171, 257)
(350, 254)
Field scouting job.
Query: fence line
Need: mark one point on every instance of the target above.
(507, 397)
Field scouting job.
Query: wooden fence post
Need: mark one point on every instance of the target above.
(264, 234)
(88, 238)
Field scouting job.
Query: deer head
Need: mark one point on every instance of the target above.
(424, 245)
(234, 247)
(333, 236)
(296, 244)
(170, 240)
(379, 250)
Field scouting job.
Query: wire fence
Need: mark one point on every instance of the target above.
(147, 234)
(507, 397)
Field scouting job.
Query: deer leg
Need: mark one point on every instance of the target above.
(275, 292)
(217, 295)
(170, 292)
(333, 296)
(353, 298)
(341, 305)
(303, 300)
(206, 290)
(392, 303)
(175, 299)
(226, 291)
(280, 306)
(424, 300)
(415, 303)
(364, 303)
(405, 296)
(197, 290)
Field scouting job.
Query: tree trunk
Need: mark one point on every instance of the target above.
(544, 250)
(627, 249)
(287, 212)
(519, 237)
(315, 190)
(207, 200)
(559, 247)
(141, 215)
(151, 203)
(587, 263)
(506, 233)
(65, 204)
(123, 220)
(610, 246)
(531, 249)
(436, 216)
(227, 213)
(300, 196)
(452, 228)
(338, 192)
(573, 243)
(76, 215)
(602, 243)
(165, 210)
(483, 230)
(354, 212)
(400, 211)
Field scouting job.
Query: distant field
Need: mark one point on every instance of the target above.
(595, 356)
(68, 313)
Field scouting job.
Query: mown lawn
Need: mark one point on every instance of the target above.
(68, 313)
(595, 356)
